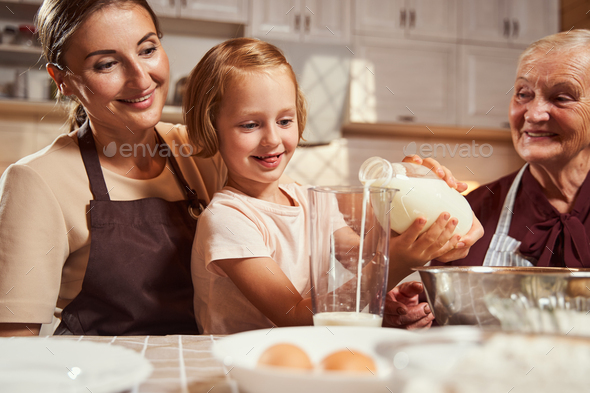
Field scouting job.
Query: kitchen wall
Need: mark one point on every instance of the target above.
(474, 161)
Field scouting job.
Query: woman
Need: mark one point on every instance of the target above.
(101, 223)
(540, 215)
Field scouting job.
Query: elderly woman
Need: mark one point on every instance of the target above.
(540, 215)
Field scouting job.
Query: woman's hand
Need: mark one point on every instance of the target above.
(403, 309)
(440, 170)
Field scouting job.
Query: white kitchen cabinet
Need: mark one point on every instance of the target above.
(419, 19)
(486, 80)
(235, 11)
(164, 7)
(229, 11)
(508, 22)
(313, 21)
(403, 81)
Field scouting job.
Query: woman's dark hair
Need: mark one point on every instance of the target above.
(58, 20)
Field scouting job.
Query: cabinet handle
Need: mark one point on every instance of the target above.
(506, 27)
(407, 118)
(183, 3)
(515, 28)
(171, 2)
(307, 23)
(297, 22)
(412, 19)
(402, 18)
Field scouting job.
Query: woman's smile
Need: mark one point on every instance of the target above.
(143, 102)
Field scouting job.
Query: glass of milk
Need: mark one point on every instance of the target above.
(421, 194)
(349, 242)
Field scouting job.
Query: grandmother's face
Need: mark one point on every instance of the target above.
(550, 108)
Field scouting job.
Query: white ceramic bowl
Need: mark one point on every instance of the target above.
(240, 353)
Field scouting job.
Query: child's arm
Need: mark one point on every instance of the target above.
(264, 284)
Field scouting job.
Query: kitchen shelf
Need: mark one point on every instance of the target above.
(58, 110)
(424, 131)
(21, 55)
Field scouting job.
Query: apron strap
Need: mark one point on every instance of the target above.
(196, 205)
(92, 163)
(505, 219)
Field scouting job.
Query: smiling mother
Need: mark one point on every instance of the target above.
(102, 237)
(540, 216)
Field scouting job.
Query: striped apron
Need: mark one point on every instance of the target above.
(503, 250)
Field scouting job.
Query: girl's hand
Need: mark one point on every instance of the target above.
(440, 170)
(462, 247)
(416, 249)
(412, 249)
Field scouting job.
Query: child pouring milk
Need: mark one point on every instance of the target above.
(250, 261)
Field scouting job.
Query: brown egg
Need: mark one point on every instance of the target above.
(285, 355)
(578, 287)
(350, 362)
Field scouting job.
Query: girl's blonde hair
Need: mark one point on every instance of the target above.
(222, 65)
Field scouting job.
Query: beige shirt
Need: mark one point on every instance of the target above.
(238, 226)
(44, 225)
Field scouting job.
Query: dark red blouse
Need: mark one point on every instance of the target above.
(552, 238)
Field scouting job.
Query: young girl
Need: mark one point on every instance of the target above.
(250, 262)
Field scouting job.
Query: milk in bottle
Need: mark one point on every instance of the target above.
(421, 193)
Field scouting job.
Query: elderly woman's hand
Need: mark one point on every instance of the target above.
(440, 170)
(404, 310)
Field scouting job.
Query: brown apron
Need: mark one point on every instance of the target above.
(138, 279)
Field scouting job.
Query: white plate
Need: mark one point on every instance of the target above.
(240, 353)
(57, 365)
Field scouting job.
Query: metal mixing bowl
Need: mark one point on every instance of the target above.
(528, 299)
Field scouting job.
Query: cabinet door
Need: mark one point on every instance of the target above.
(233, 11)
(386, 18)
(432, 19)
(486, 77)
(485, 20)
(402, 81)
(533, 19)
(165, 7)
(277, 19)
(326, 21)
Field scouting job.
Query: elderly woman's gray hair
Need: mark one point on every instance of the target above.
(575, 40)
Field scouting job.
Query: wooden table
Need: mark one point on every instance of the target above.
(182, 364)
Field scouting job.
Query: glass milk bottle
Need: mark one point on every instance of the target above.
(421, 194)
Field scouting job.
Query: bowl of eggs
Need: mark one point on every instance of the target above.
(311, 359)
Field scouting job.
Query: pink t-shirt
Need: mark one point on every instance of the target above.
(234, 226)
